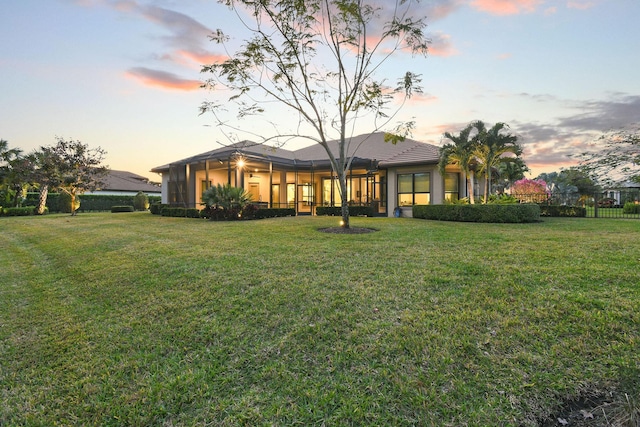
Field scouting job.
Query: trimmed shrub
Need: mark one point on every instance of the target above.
(24, 211)
(103, 202)
(273, 213)
(156, 208)
(337, 211)
(115, 209)
(510, 213)
(141, 201)
(179, 212)
(631, 208)
(563, 211)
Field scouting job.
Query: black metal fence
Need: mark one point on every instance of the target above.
(609, 204)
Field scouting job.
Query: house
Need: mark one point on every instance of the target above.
(382, 175)
(123, 183)
(627, 191)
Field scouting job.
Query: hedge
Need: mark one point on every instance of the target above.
(631, 208)
(563, 211)
(88, 202)
(512, 213)
(23, 211)
(337, 210)
(273, 213)
(126, 208)
(180, 212)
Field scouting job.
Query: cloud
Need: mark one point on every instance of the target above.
(582, 5)
(556, 144)
(506, 7)
(162, 79)
(605, 115)
(441, 45)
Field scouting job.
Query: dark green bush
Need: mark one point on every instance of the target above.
(337, 211)
(180, 212)
(273, 213)
(103, 202)
(90, 202)
(510, 213)
(24, 211)
(563, 211)
(141, 201)
(631, 208)
(126, 208)
(156, 208)
(52, 204)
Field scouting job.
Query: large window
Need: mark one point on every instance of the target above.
(414, 189)
(451, 187)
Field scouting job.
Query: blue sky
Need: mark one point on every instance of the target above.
(124, 74)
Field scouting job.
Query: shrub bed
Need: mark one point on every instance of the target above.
(180, 212)
(511, 213)
(563, 211)
(24, 211)
(273, 213)
(337, 211)
(127, 208)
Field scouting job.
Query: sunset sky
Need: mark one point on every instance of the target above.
(125, 74)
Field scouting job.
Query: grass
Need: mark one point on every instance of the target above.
(136, 319)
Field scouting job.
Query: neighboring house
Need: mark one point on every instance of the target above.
(122, 183)
(383, 175)
(625, 192)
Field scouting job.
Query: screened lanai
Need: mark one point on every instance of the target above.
(382, 176)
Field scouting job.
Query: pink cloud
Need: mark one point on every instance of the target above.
(442, 46)
(506, 7)
(162, 79)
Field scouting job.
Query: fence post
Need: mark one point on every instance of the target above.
(595, 205)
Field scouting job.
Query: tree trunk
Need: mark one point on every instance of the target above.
(73, 203)
(344, 207)
(42, 199)
(486, 189)
(471, 198)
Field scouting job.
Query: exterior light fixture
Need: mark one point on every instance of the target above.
(240, 163)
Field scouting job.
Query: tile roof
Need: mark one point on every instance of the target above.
(127, 181)
(366, 147)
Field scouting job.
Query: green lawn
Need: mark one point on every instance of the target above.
(137, 320)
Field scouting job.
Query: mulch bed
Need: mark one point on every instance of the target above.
(350, 230)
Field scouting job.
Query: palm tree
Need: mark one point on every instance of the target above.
(511, 171)
(490, 149)
(226, 197)
(460, 153)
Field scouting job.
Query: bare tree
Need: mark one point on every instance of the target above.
(319, 58)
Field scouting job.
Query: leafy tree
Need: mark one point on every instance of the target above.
(71, 167)
(491, 146)
(530, 190)
(15, 173)
(319, 59)
(460, 152)
(616, 157)
(570, 180)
